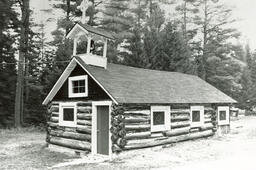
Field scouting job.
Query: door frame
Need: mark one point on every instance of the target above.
(94, 125)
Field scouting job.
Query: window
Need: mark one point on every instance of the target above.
(78, 86)
(160, 118)
(196, 116)
(223, 115)
(67, 114)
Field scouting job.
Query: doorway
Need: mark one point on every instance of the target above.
(101, 143)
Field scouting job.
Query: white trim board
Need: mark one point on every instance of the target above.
(64, 77)
(94, 126)
(71, 94)
(201, 110)
(167, 122)
(65, 74)
(226, 109)
(67, 123)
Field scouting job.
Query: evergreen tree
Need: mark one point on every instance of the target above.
(8, 22)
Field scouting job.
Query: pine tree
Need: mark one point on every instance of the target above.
(7, 61)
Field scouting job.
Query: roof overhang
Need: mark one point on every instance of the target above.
(71, 66)
(79, 30)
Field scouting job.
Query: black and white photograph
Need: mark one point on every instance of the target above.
(127, 84)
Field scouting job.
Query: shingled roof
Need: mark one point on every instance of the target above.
(136, 85)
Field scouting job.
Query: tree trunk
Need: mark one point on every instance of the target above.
(23, 44)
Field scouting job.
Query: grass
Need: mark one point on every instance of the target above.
(25, 148)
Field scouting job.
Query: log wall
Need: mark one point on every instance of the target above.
(78, 137)
(137, 131)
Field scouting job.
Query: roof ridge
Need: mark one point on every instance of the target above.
(154, 70)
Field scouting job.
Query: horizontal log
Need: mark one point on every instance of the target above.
(84, 116)
(137, 127)
(207, 120)
(137, 135)
(70, 135)
(157, 135)
(179, 117)
(51, 124)
(84, 109)
(144, 143)
(84, 122)
(70, 143)
(55, 114)
(186, 111)
(55, 103)
(208, 109)
(54, 108)
(138, 112)
(54, 119)
(195, 129)
(178, 131)
(85, 129)
(136, 119)
(180, 124)
(207, 126)
(206, 116)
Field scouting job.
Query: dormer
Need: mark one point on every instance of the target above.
(95, 51)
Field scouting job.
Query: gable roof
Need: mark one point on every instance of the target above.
(88, 28)
(126, 84)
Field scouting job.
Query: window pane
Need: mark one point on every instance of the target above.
(75, 90)
(82, 83)
(81, 89)
(68, 114)
(75, 83)
(223, 115)
(158, 118)
(78, 86)
(196, 116)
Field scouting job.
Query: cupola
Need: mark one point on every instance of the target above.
(95, 51)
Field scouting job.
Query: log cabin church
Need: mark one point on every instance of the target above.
(103, 108)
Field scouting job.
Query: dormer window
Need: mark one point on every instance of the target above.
(78, 86)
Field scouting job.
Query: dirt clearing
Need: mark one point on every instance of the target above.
(25, 149)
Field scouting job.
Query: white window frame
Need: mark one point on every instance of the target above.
(226, 109)
(197, 108)
(167, 121)
(70, 86)
(67, 123)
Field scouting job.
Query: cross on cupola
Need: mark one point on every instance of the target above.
(95, 52)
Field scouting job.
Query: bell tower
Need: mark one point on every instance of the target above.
(95, 52)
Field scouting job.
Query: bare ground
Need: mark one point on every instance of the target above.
(25, 149)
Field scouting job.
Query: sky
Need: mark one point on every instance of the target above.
(243, 10)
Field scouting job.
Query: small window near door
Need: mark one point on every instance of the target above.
(160, 118)
(196, 116)
(67, 116)
(78, 86)
(223, 115)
